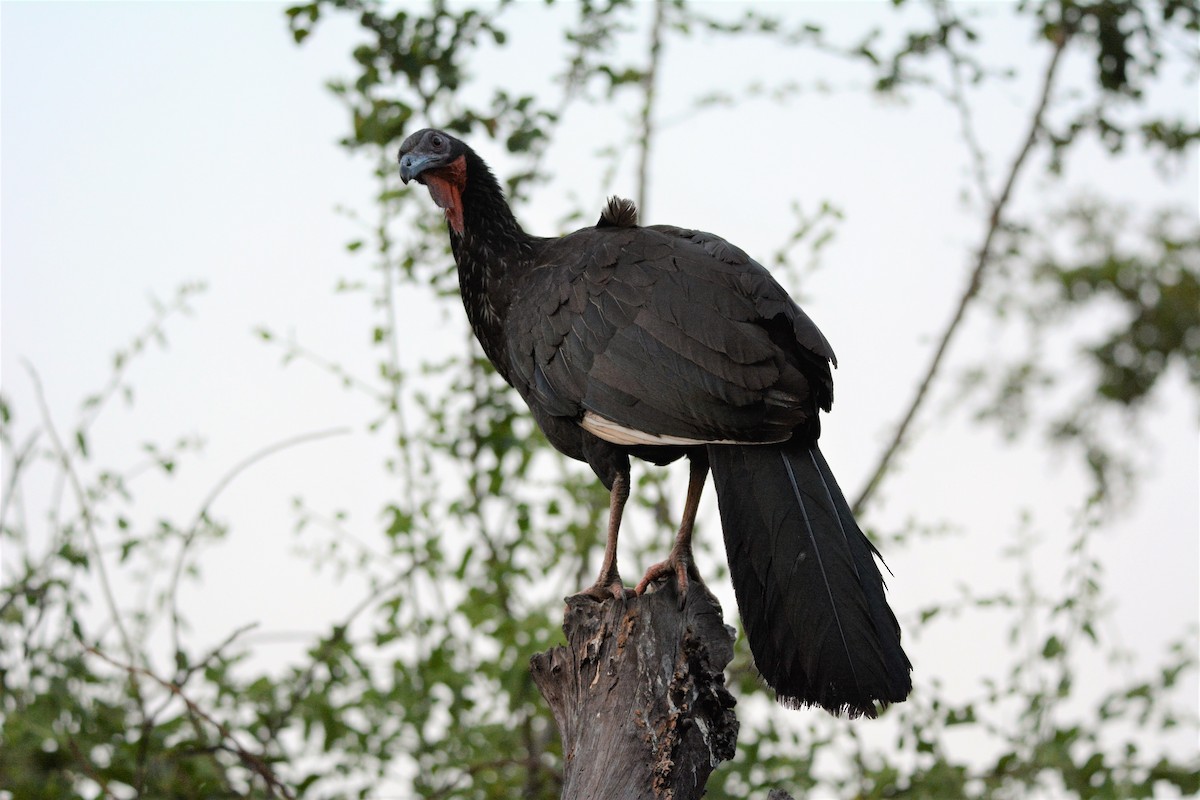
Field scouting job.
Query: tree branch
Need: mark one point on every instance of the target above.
(253, 762)
(982, 261)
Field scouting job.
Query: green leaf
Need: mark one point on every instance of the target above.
(1052, 649)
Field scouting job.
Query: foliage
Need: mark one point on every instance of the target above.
(424, 684)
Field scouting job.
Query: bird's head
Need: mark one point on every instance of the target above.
(439, 161)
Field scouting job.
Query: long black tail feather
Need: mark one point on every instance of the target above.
(810, 593)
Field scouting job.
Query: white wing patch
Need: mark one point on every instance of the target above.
(617, 433)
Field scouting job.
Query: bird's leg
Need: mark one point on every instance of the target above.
(609, 583)
(679, 563)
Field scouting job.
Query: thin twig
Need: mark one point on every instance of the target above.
(252, 761)
(958, 98)
(202, 514)
(153, 329)
(338, 530)
(301, 685)
(85, 511)
(19, 459)
(390, 271)
(212, 654)
(88, 768)
(293, 349)
(649, 80)
(982, 262)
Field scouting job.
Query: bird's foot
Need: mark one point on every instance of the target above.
(606, 587)
(678, 565)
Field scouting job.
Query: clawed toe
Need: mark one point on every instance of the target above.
(678, 567)
(606, 589)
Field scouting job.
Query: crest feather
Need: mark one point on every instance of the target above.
(618, 213)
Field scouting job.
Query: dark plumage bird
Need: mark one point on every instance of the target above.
(660, 342)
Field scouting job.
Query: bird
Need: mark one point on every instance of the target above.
(660, 343)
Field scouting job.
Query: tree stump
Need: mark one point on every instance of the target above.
(639, 695)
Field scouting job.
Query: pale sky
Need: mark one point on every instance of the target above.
(149, 145)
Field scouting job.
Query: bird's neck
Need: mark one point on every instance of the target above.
(492, 252)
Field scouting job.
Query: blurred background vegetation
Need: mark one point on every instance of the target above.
(422, 689)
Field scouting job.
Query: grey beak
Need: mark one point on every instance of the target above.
(412, 165)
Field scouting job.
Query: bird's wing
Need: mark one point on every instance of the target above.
(669, 333)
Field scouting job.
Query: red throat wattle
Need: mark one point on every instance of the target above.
(446, 186)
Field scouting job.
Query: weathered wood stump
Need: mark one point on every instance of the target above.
(639, 695)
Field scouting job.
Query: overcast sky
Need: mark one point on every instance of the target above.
(149, 145)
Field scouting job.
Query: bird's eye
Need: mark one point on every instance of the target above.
(437, 141)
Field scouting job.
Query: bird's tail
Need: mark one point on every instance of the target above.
(809, 591)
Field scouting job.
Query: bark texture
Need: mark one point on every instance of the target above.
(639, 695)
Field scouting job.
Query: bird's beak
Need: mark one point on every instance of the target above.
(413, 164)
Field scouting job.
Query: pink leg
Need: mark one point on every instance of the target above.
(609, 583)
(679, 562)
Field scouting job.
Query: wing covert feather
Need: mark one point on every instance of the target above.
(667, 331)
